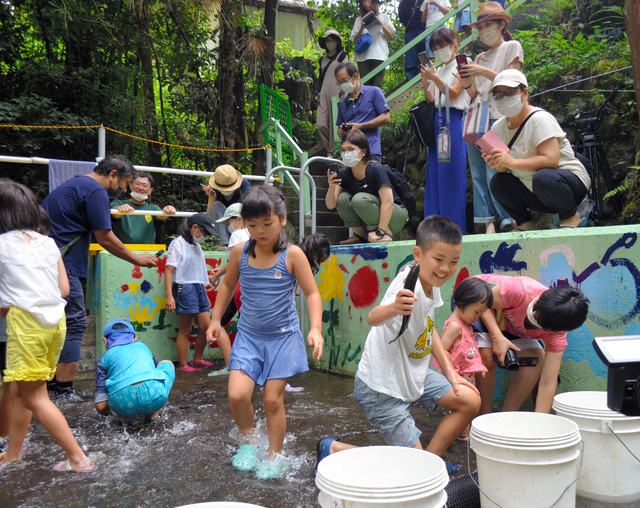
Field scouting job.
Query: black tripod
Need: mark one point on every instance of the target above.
(589, 146)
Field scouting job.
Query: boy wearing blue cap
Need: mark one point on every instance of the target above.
(129, 379)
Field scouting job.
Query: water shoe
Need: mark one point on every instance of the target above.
(85, 466)
(203, 363)
(246, 459)
(188, 368)
(293, 389)
(273, 469)
(452, 467)
(221, 372)
(323, 449)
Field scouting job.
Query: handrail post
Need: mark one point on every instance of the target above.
(269, 158)
(102, 144)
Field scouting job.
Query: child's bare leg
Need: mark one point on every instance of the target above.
(182, 342)
(273, 399)
(464, 408)
(224, 343)
(240, 392)
(203, 321)
(5, 409)
(523, 381)
(19, 422)
(486, 384)
(34, 396)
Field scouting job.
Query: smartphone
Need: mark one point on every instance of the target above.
(159, 253)
(424, 58)
(461, 60)
(333, 168)
(490, 141)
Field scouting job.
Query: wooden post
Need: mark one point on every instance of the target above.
(633, 33)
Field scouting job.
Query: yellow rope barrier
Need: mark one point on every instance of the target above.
(134, 137)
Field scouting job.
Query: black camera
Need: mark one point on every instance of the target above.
(346, 127)
(512, 362)
(622, 355)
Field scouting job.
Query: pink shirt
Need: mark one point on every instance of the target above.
(517, 292)
(465, 356)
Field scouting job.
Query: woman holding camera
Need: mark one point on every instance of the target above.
(445, 190)
(381, 29)
(541, 171)
(504, 53)
(363, 195)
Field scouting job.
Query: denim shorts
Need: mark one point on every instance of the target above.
(145, 398)
(190, 298)
(391, 415)
(462, 19)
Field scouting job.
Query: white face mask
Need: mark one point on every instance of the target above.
(331, 45)
(199, 239)
(532, 320)
(139, 197)
(347, 87)
(444, 54)
(350, 159)
(510, 106)
(227, 193)
(489, 35)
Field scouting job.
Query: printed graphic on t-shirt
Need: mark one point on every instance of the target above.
(423, 344)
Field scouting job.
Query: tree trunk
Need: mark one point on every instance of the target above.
(270, 16)
(633, 32)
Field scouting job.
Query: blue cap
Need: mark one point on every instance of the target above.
(119, 337)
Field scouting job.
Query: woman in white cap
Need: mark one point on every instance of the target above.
(226, 186)
(541, 171)
(327, 88)
(504, 53)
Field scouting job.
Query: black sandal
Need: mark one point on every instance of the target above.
(382, 234)
(354, 240)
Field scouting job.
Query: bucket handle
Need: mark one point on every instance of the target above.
(556, 501)
(621, 441)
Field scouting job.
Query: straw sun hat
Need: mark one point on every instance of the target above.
(225, 178)
(491, 11)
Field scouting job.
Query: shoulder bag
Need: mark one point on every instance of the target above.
(422, 119)
(475, 123)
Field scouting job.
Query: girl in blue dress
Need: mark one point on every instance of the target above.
(269, 346)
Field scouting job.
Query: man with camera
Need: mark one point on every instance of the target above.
(525, 313)
(363, 108)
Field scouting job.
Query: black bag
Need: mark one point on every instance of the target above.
(403, 189)
(422, 118)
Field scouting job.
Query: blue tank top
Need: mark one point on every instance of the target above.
(268, 306)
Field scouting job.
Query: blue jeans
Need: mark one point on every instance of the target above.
(76, 321)
(484, 204)
(411, 61)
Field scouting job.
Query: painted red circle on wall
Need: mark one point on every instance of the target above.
(364, 287)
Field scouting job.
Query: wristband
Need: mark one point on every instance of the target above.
(364, 127)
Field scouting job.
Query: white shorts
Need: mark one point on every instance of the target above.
(484, 340)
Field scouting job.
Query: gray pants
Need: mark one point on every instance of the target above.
(363, 210)
(216, 211)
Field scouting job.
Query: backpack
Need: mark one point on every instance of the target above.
(403, 189)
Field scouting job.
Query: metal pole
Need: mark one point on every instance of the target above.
(102, 144)
(269, 160)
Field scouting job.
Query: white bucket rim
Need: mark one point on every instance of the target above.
(588, 404)
(327, 485)
(525, 427)
(375, 498)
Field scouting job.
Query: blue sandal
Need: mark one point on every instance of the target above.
(323, 449)
(246, 459)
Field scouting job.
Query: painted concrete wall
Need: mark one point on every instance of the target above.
(603, 262)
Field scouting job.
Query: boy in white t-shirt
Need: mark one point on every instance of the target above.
(432, 12)
(394, 374)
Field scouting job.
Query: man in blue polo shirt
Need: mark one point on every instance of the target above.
(363, 108)
(77, 208)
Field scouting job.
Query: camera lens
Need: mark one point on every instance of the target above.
(511, 361)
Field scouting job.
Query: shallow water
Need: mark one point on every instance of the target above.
(186, 458)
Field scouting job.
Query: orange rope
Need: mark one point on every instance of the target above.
(134, 137)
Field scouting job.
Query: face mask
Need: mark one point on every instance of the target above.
(510, 106)
(139, 197)
(331, 46)
(350, 159)
(347, 87)
(227, 193)
(444, 54)
(489, 35)
(198, 239)
(532, 320)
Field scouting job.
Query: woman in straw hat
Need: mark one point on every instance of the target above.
(327, 88)
(226, 186)
(504, 53)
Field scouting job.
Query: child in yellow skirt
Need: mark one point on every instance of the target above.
(33, 282)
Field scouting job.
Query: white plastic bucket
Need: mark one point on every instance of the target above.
(609, 472)
(382, 476)
(528, 460)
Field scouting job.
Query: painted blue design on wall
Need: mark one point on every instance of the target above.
(503, 259)
(125, 301)
(365, 252)
(146, 286)
(580, 348)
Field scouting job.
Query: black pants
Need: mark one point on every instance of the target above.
(554, 191)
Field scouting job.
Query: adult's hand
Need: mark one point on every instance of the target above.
(169, 210)
(208, 190)
(499, 160)
(332, 179)
(147, 260)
